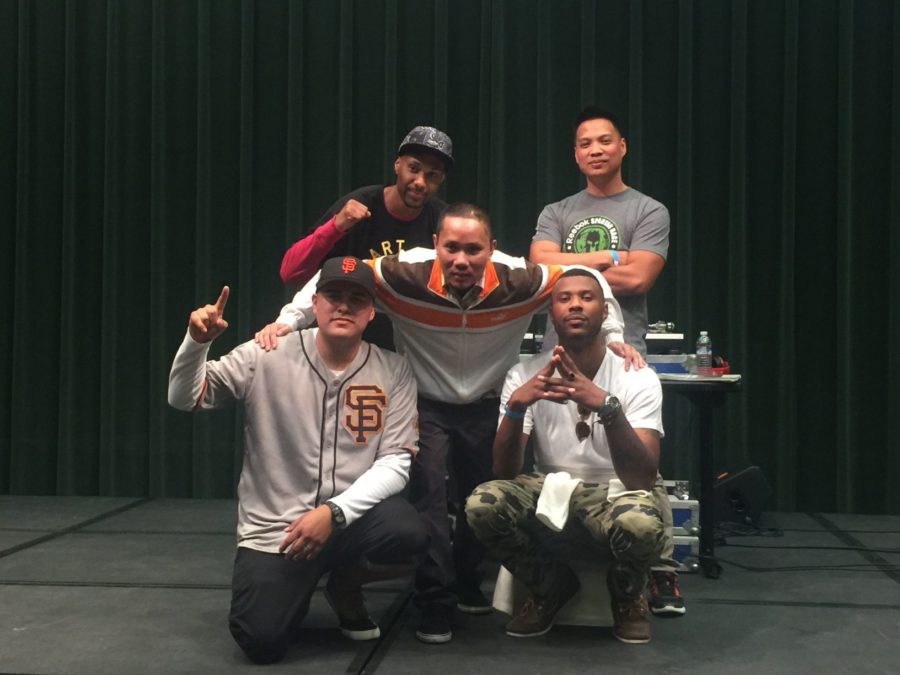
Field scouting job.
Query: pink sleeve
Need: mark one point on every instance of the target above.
(303, 258)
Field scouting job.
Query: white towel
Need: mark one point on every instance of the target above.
(553, 504)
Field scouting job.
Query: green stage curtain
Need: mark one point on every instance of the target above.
(154, 150)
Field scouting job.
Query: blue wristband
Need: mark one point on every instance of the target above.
(615, 256)
(512, 414)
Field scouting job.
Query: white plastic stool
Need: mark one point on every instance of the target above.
(589, 607)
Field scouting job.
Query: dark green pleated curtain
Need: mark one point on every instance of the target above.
(152, 151)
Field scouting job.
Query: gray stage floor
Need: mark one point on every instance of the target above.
(104, 585)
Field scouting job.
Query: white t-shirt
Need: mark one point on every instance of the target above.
(552, 425)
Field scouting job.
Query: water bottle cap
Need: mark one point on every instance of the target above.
(703, 332)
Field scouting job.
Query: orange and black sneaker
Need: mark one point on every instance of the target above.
(665, 596)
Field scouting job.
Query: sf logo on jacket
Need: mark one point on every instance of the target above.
(365, 404)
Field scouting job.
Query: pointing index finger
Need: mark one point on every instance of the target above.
(223, 298)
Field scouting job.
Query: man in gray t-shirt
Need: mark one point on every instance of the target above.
(608, 225)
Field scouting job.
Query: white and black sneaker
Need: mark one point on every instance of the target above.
(350, 606)
(434, 624)
(470, 600)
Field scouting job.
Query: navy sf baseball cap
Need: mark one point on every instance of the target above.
(349, 269)
(431, 140)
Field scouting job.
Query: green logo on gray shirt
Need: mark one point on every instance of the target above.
(595, 233)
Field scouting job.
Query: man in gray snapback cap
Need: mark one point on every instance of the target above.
(430, 140)
(379, 220)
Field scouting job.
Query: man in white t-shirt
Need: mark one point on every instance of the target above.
(599, 423)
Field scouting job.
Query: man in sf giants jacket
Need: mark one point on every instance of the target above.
(330, 432)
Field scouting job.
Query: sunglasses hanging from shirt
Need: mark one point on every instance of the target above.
(582, 428)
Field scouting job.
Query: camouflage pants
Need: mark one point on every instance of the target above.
(629, 532)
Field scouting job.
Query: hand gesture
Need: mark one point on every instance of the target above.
(533, 390)
(572, 385)
(307, 535)
(206, 323)
(350, 214)
(631, 355)
(267, 337)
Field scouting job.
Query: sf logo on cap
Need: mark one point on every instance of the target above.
(348, 264)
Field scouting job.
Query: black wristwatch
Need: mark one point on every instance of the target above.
(609, 411)
(338, 519)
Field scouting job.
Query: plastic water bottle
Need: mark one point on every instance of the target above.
(704, 355)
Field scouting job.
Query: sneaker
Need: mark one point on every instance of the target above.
(665, 596)
(434, 624)
(350, 606)
(471, 600)
(631, 623)
(537, 614)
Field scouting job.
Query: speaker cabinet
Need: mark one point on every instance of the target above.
(740, 497)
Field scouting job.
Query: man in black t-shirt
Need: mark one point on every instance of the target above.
(379, 220)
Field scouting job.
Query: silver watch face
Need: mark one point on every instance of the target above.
(610, 406)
